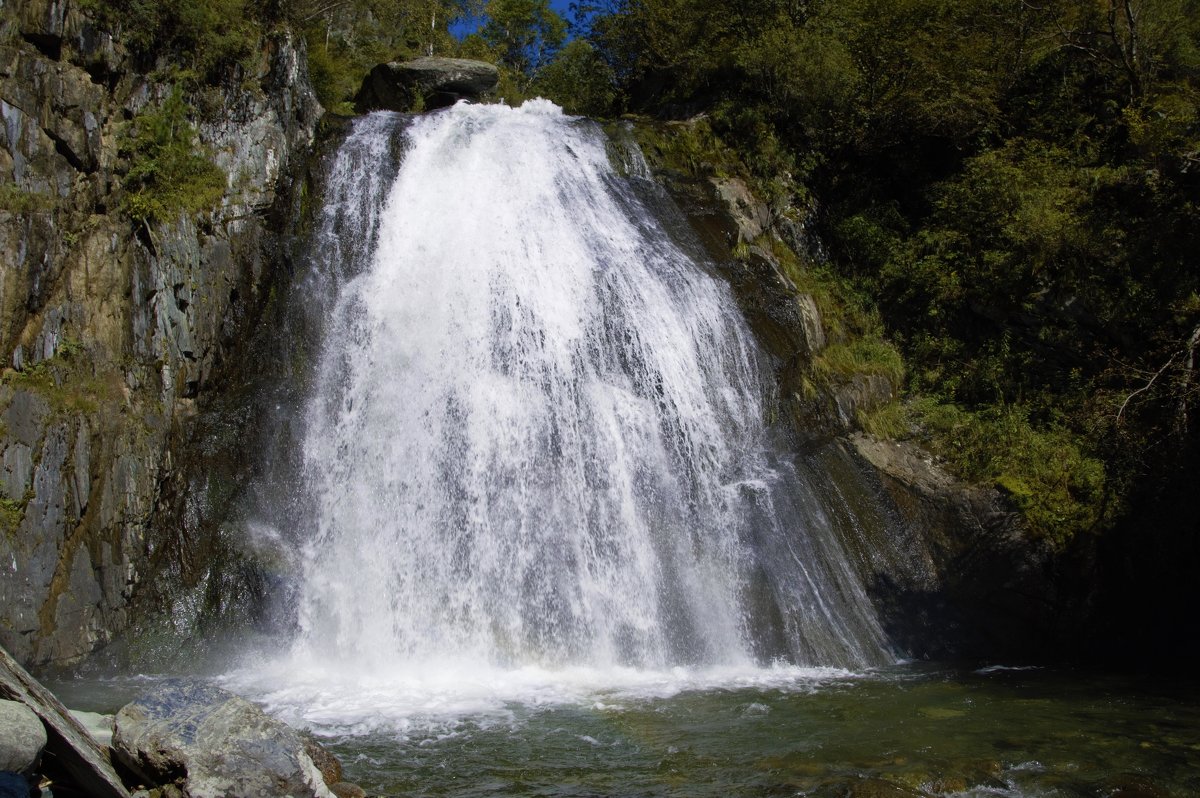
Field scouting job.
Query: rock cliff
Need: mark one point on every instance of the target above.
(113, 329)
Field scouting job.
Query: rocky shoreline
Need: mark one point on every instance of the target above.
(183, 738)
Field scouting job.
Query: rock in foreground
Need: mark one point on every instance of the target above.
(22, 737)
(214, 744)
(425, 83)
(72, 749)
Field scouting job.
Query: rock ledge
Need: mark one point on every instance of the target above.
(425, 83)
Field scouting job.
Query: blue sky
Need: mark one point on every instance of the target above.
(563, 7)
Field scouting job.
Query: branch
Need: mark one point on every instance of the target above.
(1145, 387)
(323, 10)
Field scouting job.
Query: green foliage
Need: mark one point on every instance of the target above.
(18, 201)
(888, 422)
(848, 318)
(66, 381)
(347, 39)
(332, 79)
(579, 80)
(11, 513)
(209, 39)
(513, 87)
(168, 173)
(689, 147)
(525, 33)
(1052, 480)
(868, 355)
(1007, 189)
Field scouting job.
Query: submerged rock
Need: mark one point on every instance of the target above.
(214, 744)
(22, 737)
(344, 789)
(880, 788)
(425, 83)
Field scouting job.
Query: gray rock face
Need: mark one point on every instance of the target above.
(22, 737)
(433, 82)
(114, 330)
(220, 745)
(987, 587)
(751, 217)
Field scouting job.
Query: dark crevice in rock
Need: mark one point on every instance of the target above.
(46, 44)
(64, 149)
(141, 232)
(99, 74)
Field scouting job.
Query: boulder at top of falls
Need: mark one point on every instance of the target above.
(22, 737)
(425, 82)
(219, 744)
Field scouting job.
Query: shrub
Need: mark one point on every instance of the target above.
(18, 201)
(168, 172)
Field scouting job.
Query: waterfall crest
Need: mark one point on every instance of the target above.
(537, 435)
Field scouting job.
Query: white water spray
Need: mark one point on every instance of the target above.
(537, 445)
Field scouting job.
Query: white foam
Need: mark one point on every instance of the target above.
(443, 698)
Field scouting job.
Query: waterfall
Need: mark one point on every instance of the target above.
(537, 434)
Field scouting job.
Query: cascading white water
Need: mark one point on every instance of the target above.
(537, 437)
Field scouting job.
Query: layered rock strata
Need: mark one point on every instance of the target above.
(112, 329)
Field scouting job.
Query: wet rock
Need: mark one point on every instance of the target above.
(431, 82)
(327, 763)
(810, 321)
(22, 737)
(988, 587)
(216, 744)
(345, 789)
(1131, 785)
(113, 326)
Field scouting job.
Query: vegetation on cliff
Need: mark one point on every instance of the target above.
(169, 172)
(1012, 184)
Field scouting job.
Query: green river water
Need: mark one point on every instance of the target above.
(909, 730)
